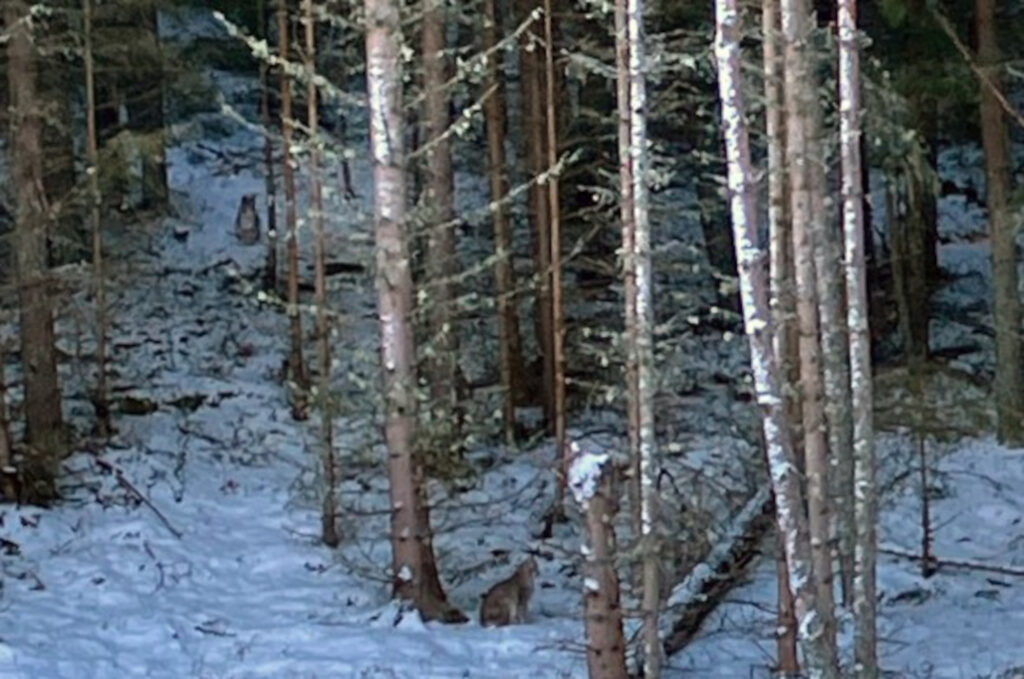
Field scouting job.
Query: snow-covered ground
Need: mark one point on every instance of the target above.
(220, 572)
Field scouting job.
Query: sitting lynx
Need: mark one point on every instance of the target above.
(247, 222)
(507, 602)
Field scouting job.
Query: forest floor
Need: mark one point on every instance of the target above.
(219, 572)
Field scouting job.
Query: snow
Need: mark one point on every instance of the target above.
(100, 586)
(585, 472)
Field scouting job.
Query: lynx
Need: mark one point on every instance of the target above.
(507, 602)
(247, 222)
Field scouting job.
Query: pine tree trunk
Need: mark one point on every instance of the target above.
(441, 262)
(602, 611)
(329, 525)
(269, 179)
(532, 78)
(1009, 390)
(626, 209)
(819, 653)
(509, 345)
(296, 364)
(414, 572)
(834, 351)
(800, 98)
(857, 315)
(8, 472)
(44, 421)
(781, 298)
(99, 398)
(555, 277)
(55, 75)
(146, 109)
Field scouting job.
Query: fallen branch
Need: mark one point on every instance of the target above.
(708, 583)
(130, 487)
(966, 564)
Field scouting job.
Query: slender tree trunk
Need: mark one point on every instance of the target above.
(532, 79)
(833, 348)
(606, 644)
(555, 253)
(781, 299)
(44, 421)
(819, 653)
(269, 179)
(628, 269)
(55, 82)
(99, 398)
(857, 315)
(509, 345)
(640, 261)
(800, 97)
(296, 363)
(442, 363)
(329, 525)
(146, 111)
(1009, 389)
(8, 472)
(414, 572)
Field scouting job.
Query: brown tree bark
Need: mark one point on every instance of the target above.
(509, 344)
(44, 421)
(414, 571)
(442, 361)
(1009, 388)
(555, 252)
(800, 97)
(329, 510)
(534, 123)
(781, 300)
(602, 611)
(99, 398)
(296, 364)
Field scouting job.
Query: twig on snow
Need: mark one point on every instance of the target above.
(130, 487)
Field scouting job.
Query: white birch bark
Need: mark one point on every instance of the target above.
(644, 336)
(820, 659)
(865, 499)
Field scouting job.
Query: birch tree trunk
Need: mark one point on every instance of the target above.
(414, 572)
(44, 420)
(819, 653)
(594, 492)
(1009, 389)
(857, 315)
(509, 344)
(626, 208)
(442, 359)
(99, 398)
(800, 98)
(639, 262)
(781, 298)
(296, 363)
(329, 510)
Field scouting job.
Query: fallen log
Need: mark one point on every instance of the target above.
(692, 600)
